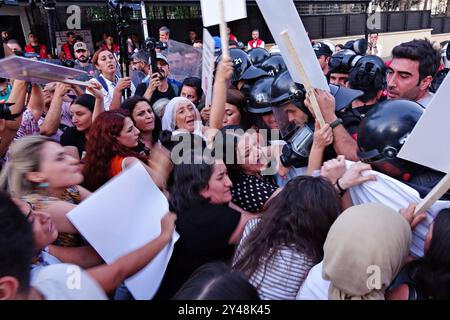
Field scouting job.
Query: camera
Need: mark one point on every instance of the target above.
(5, 112)
(151, 44)
(296, 151)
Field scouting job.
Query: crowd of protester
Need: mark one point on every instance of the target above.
(275, 220)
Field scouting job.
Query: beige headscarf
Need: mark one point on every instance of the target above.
(365, 249)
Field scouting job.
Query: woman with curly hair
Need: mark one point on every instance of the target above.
(110, 150)
(278, 250)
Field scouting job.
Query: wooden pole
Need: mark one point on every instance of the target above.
(306, 82)
(223, 30)
(438, 191)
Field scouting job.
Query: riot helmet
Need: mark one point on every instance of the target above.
(257, 56)
(274, 65)
(343, 61)
(368, 75)
(259, 96)
(383, 132)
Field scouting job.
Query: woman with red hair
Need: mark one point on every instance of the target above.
(110, 150)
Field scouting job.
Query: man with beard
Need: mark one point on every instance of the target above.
(82, 56)
(158, 85)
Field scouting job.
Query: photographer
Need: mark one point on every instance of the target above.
(158, 86)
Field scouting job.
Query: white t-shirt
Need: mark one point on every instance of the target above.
(314, 287)
(108, 95)
(65, 281)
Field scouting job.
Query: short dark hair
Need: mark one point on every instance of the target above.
(70, 33)
(373, 32)
(420, 50)
(16, 243)
(217, 281)
(189, 179)
(194, 82)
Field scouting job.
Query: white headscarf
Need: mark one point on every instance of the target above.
(169, 119)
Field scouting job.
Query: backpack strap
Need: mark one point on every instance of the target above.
(102, 82)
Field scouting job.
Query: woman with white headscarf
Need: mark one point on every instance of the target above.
(181, 115)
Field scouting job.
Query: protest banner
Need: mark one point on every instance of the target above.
(115, 223)
(219, 12)
(286, 26)
(207, 66)
(426, 143)
(40, 72)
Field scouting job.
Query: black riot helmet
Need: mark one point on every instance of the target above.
(368, 75)
(274, 65)
(243, 68)
(358, 46)
(259, 96)
(343, 61)
(384, 130)
(258, 55)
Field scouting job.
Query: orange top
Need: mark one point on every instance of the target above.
(116, 165)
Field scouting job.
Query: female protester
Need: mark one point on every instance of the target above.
(235, 109)
(112, 87)
(208, 226)
(217, 281)
(107, 276)
(84, 111)
(278, 250)
(41, 173)
(145, 120)
(110, 149)
(251, 189)
(365, 249)
(427, 278)
(181, 115)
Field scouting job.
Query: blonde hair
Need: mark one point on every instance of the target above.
(24, 157)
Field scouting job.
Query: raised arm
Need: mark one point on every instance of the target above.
(53, 118)
(19, 90)
(96, 90)
(343, 143)
(322, 138)
(110, 276)
(224, 73)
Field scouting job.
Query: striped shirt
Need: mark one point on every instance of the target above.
(284, 273)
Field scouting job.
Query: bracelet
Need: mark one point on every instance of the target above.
(341, 191)
(336, 123)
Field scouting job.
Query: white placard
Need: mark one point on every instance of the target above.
(281, 16)
(122, 216)
(234, 10)
(208, 66)
(428, 143)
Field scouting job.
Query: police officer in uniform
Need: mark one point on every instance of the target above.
(381, 135)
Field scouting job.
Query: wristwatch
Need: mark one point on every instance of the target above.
(336, 123)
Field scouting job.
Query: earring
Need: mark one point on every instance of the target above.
(43, 185)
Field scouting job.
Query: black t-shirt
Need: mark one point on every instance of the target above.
(73, 137)
(169, 94)
(204, 234)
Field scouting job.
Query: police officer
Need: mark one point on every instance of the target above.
(340, 65)
(441, 74)
(368, 75)
(381, 135)
(295, 120)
